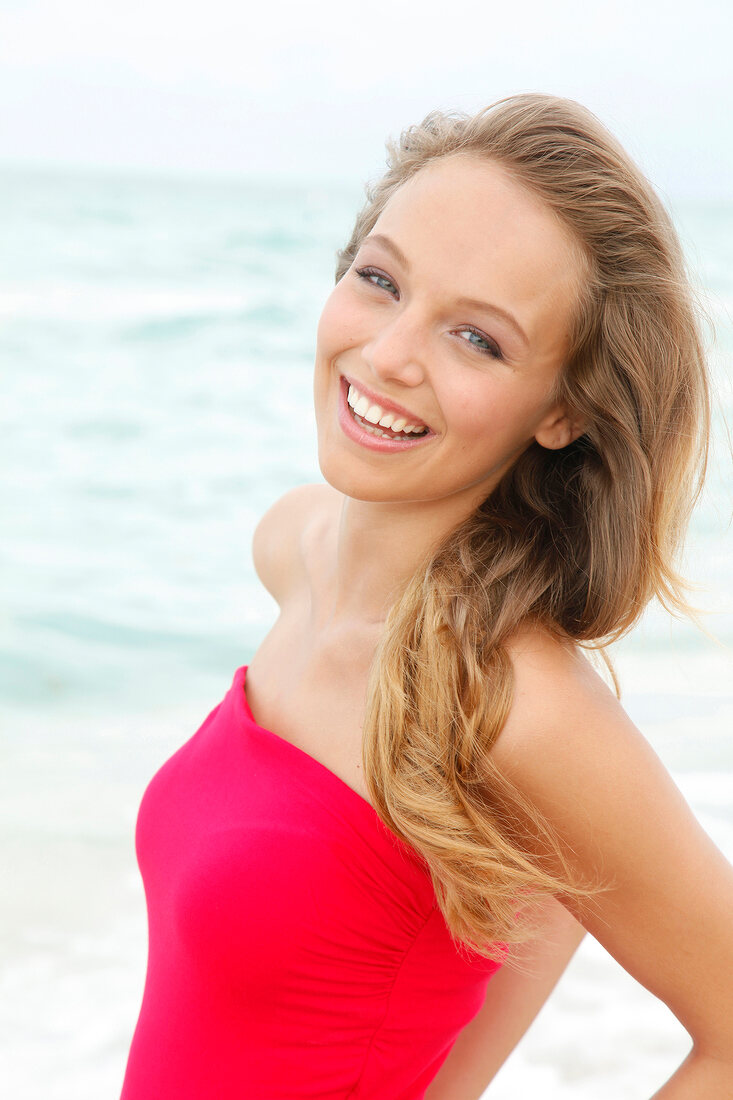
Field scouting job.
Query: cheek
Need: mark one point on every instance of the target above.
(483, 411)
(498, 414)
(336, 328)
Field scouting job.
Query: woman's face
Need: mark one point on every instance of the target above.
(455, 317)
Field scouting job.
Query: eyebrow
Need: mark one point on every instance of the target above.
(462, 303)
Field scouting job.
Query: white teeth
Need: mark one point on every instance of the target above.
(373, 430)
(375, 414)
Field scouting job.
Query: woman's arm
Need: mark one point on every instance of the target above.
(667, 915)
(700, 1077)
(513, 999)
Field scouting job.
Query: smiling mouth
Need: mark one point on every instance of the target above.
(383, 423)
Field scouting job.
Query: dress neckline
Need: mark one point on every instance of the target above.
(240, 686)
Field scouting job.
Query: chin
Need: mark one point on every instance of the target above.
(357, 484)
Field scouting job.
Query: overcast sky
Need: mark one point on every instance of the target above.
(315, 87)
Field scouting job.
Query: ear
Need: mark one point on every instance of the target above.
(559, 428)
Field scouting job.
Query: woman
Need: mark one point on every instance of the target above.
(512, 411)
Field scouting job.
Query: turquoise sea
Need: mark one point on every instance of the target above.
(156, 346)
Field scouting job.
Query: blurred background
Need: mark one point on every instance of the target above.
(174, 183)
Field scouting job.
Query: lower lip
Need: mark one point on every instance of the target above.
(354, 430)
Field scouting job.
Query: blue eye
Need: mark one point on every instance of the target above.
(489, 346)
(376, 278)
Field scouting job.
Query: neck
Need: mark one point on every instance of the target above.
(379, 546)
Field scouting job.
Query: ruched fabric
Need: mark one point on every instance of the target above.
(296, 950)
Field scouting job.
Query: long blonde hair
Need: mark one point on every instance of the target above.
(576, 540)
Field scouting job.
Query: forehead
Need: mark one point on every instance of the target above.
(468, 227)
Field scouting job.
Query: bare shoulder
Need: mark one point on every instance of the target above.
(568, 744)
(557, 693)
(280, 535)
(536, 653)
(570, 747)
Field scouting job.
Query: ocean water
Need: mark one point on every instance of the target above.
(156, 347)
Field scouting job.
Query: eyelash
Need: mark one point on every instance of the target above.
(493, 351)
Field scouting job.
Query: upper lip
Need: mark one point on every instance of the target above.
(384, 402)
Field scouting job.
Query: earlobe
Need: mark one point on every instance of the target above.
(559, 429)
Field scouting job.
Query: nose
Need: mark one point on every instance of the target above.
(396, 350)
